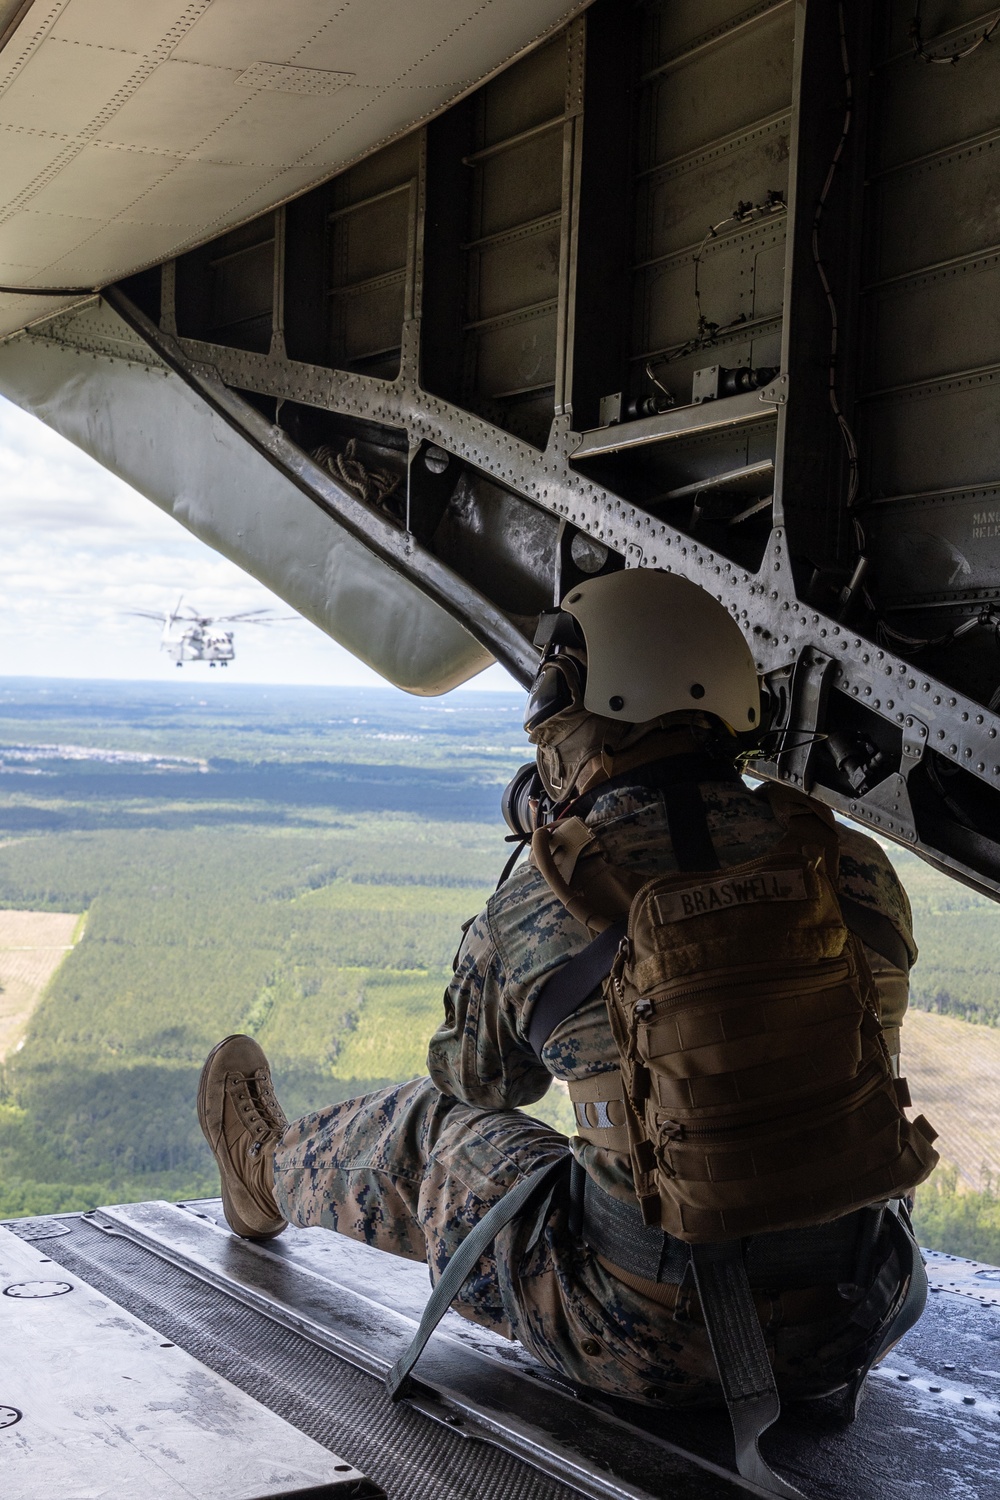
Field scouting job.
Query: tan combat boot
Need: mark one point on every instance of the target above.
(242, 1121)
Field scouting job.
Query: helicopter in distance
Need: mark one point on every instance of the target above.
(188, 636)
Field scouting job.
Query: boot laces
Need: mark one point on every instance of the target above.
(254, 1097)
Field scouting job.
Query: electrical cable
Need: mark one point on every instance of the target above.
(886, 634)
(919, 44)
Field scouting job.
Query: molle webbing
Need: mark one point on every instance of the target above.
(679, 779)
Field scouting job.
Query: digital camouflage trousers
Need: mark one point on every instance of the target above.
(410, 1170)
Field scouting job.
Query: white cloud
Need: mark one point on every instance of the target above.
(81, 549)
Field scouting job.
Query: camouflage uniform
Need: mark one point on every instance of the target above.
(411, 1169)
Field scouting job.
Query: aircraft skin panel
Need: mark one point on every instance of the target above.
(131, 132)
(145, 425)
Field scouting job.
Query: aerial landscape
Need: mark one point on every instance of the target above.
(183, 860)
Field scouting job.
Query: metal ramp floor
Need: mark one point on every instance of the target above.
(306, 1325)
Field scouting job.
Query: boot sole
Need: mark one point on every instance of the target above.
(237, 1225)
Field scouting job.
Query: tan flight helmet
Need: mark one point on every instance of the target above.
(658, 644)
(623, 655)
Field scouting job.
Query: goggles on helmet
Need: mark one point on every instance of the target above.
(558, 685)
(561, 679)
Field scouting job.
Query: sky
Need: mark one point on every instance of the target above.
(81, 549)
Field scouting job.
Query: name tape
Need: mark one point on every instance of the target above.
(717, 895)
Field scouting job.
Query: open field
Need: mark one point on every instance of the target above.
(953, 1070)
(32, 946)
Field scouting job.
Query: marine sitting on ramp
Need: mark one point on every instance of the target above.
(719, 974)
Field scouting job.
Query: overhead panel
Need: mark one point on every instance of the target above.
(132, 132)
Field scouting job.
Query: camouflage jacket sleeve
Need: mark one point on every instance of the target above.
(480, 1054)
(476, 1054)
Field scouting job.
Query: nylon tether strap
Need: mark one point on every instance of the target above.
(741, 1360)
(463, 1263)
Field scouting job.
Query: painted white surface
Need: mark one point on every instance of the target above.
(111, 1408)
(129, 133)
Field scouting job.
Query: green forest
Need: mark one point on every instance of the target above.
(314, 903)
(295, 864)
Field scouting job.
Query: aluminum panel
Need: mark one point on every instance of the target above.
(939, 438)
(939, 325)
(253, 148)
(110, 1407)
(924, 109)
(947, 207)
(517, 271)
(367, 323)
(524, 96)
(676, 205)
(378, 173)
(681, 25)
(938, 18)
(935, 547)
(667, 312)
(723, 88)
(520, 183)
(517, 355)
(370, 240)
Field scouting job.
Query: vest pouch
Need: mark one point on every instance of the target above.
(738, 1038)
(753, 1175)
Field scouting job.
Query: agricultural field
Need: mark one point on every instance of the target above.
(958, 933)
(32, 946)
(297, 864)
(953, 1069)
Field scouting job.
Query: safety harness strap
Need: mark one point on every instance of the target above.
(569, 986)
(688, 825)
(463, 1263)
(744, 1369)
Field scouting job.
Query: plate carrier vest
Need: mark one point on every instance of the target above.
(755, 1090)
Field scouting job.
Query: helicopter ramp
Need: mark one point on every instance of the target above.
(301, 1330)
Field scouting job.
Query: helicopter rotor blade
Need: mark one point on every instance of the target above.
(278, 620)
(256, 617)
